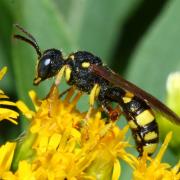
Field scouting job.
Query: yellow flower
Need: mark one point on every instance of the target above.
(61, 144)
(65, 147)
(147, 168)
(6, 113)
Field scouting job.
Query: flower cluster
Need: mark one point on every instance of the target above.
(61, 144)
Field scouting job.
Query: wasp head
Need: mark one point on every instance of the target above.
(48, 65)
(49, 62)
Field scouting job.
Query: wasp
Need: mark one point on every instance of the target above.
(88, 74)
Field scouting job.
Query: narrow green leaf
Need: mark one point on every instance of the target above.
(5, 45)
(97, 24)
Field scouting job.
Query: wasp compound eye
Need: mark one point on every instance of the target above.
(49, 65)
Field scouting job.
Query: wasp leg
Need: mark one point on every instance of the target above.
(88, 114)
(65, 91)
(60, 75)
(92, 97)
(62, 94)
(112, 113)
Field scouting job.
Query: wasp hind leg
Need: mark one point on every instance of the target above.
(113, 113)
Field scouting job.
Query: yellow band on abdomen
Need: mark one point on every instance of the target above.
(150, 148)
(150, 136)
(145, 118)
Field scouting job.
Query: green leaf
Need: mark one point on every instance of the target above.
(96, 24)
(5, 45)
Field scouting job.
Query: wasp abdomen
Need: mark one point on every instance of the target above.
(142, 122)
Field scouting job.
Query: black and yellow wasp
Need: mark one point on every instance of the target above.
(88, 74)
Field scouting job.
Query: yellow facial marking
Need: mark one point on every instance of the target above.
(93, 94)
(132, 124)
(85, 64)
(150, 136)
(68, 73)
(150, 148)
(145, 118)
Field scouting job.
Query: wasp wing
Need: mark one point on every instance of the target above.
(118, 81)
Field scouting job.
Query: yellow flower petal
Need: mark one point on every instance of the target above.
(164, 146)
(24, 109)
(54, 141)
(34, 99)
(116, 170)
(8, 175)
(8, 114)
(6, 156)
(7, 103)
(2, 95)
(25, 172)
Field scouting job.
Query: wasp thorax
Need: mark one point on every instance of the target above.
(78, 71)
(48, 65)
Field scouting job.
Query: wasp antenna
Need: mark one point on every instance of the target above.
(32, 41)
(38, 51)
(25, 32)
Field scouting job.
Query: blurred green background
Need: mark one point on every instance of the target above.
(137, 38)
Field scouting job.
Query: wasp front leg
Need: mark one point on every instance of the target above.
(60, 75)
(92, 98)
